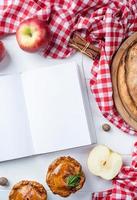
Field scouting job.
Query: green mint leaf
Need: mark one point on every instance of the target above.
(73, 180)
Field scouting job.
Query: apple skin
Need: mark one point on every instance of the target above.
(2, 51)
(32, 34)
(104, 162)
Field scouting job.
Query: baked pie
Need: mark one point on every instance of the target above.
(28, 190)
(131, 72)
(124, 81)
(65, 176)
(123, 73)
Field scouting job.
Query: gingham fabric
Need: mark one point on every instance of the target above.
(104, 22)
(124, 185)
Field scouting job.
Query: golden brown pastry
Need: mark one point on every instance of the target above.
(131, 72)
(123, 90)
(124, 81)
(65, 176)
(28, 190)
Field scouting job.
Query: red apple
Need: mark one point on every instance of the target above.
(2, 51)
(32, 34)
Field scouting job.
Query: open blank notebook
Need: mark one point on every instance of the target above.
(43, 110)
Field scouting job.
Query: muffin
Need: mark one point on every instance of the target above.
(65, 176)
(28, 190)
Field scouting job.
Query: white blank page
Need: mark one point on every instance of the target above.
(55, 108)
(15, 137)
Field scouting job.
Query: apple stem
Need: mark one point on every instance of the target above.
(28, 32)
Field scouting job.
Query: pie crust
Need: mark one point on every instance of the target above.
(125, 96)
(131, 72)
(59, 171)
(28, 190)
(124, 82)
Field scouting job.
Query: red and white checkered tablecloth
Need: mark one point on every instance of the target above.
(105, 22)
(124, 185)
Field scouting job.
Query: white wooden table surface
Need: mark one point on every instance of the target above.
(34, 168)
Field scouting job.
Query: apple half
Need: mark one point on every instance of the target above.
(104, 162)
(32, 34)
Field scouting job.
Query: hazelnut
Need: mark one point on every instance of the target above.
(3, 181)
(106, 127)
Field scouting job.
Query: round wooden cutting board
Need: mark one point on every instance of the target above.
(114, 73)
